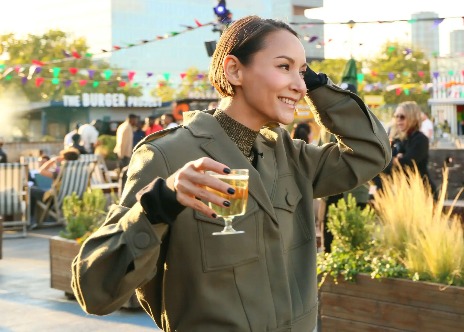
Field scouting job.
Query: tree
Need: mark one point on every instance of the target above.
(193, 81)
(54, 49)
(402, 72)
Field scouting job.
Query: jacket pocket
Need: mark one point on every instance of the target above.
(226, 251)
(288, 207)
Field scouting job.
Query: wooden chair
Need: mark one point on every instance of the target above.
(31, 162)
(14, 197)
(100, 178)
(74, 177)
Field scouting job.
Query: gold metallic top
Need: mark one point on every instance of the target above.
(241, 135)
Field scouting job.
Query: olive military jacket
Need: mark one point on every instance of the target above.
(263, 280)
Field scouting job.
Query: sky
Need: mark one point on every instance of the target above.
(24, 16)
(372, 36)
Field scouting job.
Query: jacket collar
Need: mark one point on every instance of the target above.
(221, 148)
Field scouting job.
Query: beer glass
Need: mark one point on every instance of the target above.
(237, 179)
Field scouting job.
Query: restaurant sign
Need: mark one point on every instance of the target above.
(109, 100)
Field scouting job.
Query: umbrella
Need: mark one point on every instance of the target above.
(350, 76)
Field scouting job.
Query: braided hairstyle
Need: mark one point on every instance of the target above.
(243, 38)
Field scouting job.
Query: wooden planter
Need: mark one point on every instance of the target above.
(390, 305)
(62, 253)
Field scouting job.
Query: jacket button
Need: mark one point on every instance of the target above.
(142, 240)
(290, 198)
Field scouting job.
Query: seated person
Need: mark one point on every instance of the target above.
(49, 169)
(76, 138)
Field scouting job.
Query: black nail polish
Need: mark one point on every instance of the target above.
(226, 170)
(214, 215)
(231, 191)
(226, 203)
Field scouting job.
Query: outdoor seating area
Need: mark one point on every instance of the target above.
(17, 179)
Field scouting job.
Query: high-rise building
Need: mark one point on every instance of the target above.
(425, 36)
(457, 42)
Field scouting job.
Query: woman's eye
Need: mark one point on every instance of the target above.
(286, 67)
(302, 73)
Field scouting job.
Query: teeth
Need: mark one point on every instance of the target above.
(287, 101)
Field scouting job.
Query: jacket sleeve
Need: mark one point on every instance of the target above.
(363, 149)
(122, 254)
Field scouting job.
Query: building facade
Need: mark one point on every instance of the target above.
(425, 33)
(457, 43)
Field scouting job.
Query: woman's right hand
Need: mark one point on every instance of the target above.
(190, 183)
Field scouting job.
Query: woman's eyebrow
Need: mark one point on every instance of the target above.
(285, 57)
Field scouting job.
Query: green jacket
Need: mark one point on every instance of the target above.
(262, 280)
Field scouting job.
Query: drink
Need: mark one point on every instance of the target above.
(238, 201)
(237, 179)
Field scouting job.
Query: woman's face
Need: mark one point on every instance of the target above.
(400, 119)
(272, 83)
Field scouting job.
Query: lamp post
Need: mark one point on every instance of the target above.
(351, 25)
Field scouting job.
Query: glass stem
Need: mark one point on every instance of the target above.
(228, 224)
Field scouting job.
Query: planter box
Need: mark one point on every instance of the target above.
(62, 253)
(390, 305)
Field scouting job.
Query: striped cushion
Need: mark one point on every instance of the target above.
(74, 178)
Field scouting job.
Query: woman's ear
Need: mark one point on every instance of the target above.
(232, 70)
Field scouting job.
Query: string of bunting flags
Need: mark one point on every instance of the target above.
(68, 75)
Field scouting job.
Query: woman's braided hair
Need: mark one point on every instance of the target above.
(243, 38)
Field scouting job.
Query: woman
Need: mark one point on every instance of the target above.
(410, 145)
(159, 239)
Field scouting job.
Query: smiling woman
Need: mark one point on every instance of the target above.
(159, 239)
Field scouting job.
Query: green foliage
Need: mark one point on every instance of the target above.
(194, 81)
(351, 227)
(355, 249)
(333, 68)
(405, 63)
(83, 216)
(106, 144)
(48, 47)
(48, 138)
(408, 236)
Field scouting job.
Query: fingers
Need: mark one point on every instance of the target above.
(191, 183)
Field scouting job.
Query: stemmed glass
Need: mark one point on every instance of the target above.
(237, 179)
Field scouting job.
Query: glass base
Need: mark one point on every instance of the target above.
(228, 232)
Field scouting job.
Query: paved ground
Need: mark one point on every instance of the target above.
(27, 303)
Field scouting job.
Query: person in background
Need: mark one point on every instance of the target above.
(139, 134)
(412, 146)
(89, 135)
(168, 121)
(158, 239)
(151, 125)
(50, 168)
(426, 126)
(302, 131)
(125, 140)
(67, 141)
(3, 156)
(76, 138)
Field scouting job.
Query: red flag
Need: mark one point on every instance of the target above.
(76, 55)
(198, 23)
(38, 63)
(39, 81)
(82, 82)
(131, 75)
(73, 70)
(122, 84)
(182, 75)
(116, 47)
